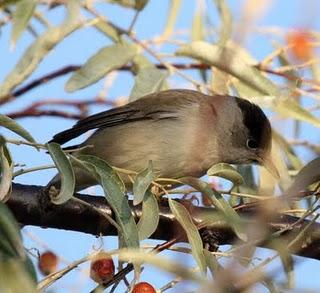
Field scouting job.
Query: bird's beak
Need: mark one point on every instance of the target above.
(267, 162)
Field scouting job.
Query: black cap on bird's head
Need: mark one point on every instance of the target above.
(259, 134)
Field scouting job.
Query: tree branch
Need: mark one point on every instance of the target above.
(34, 110)
(30, 206)
(70, 68)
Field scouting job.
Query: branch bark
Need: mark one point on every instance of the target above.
(30, 206)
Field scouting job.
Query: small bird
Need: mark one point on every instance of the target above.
(183, 133)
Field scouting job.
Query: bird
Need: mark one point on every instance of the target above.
(182, 132)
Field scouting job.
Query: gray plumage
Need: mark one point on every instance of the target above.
(182, 132)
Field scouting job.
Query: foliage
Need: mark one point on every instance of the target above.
(225, 66)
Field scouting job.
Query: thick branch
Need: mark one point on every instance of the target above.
(31, 207)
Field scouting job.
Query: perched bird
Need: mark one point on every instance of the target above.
(183, 133)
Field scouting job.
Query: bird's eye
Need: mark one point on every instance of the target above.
(252, 144)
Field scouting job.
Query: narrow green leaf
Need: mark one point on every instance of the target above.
(286, 259)
(230, 216)
(308, 175)
(66, 173)
(10, 234)
(288, 149)
(285, 106)
(228, 60)
(185, 220)
(136, 4)
(226, 171)
(101, 63)
(172, 17)
(5, 3)
(6, 171)
(20, 19)
(141, 62)
(249, 186)
(139, 256)
(116, 197)
(212, 262)
(148, 80)
(197, 29)
(12, 125)
(14, 277)
(220, 81)
(140, 4)
(30, 269)
(141, 183)
(34, 55)
(108, 29)
(149, 219)
(226, 21)
(291, 108)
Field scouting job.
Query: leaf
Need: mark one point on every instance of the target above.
(20, 19)
(286, 259)
(220, 82)
(141, 62)
(10, 240)
(141, 183)
(308, 175)
(66, 174)
(246, 172)
(185, 220)
(228, 60)
(5, 3)
(230, 216)
(34, 55)
(172, 17)
(148, 80)
(115, 195)
(101, 63)
(14, 277)
(226, 19)
(6, 171)
(285, 106)
(197, 29)
(136, 4)
(149, 219)
(288, 149)
(139, 256)
(108, 29)
(12, 125)
(291, 108)
(226, 171)
(140, 4)
(212, 262)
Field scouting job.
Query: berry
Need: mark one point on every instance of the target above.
(143, 287)
(48, 263)
(300, 43)
(102, 268)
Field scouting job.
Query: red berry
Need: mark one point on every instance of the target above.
(300, 43)
(102, 268)
(143, 287)
(48, 263)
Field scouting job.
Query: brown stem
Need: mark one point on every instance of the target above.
(70, 68)
(31, 207)
(34, 111)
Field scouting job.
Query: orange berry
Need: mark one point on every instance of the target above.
(300, 43)
(48, 263)
(102, 268)
(143, 287)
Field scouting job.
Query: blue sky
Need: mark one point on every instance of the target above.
(81, 45)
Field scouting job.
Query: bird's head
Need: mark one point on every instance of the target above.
(251, 137)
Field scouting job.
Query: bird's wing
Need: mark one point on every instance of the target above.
(113, 117)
